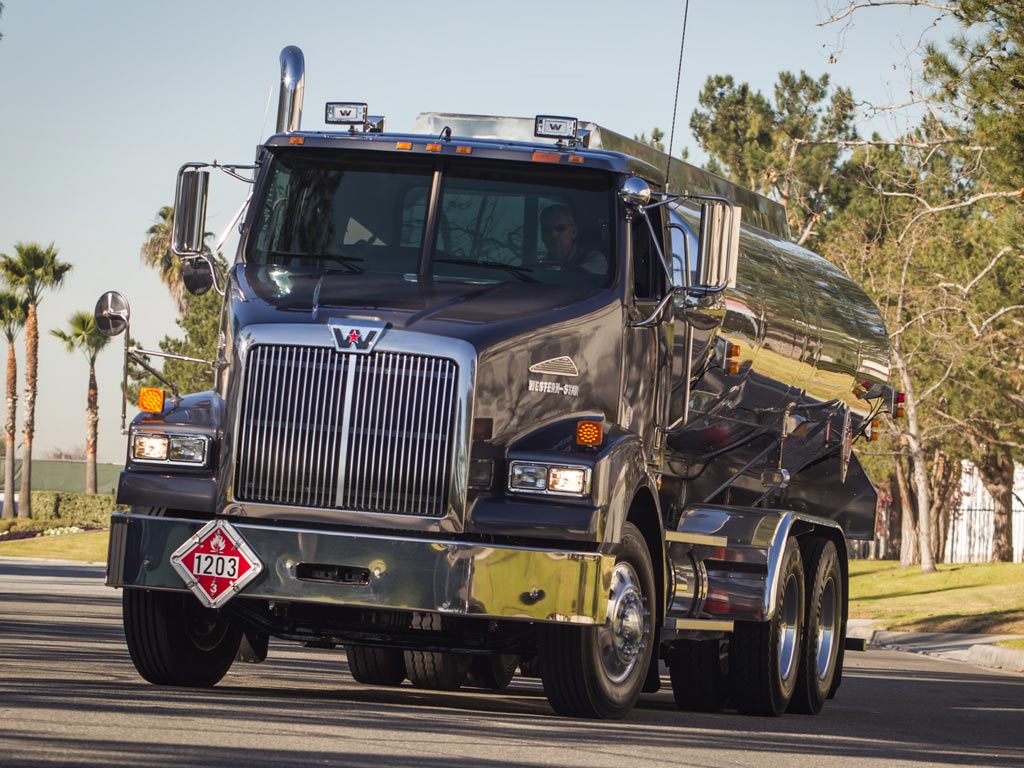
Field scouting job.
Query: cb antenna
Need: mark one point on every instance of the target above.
(675, 104)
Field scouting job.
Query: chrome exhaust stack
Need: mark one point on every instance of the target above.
(293, 81)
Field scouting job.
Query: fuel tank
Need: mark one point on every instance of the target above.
(782, 365)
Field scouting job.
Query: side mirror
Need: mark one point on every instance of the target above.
(111, 314)
(197, 275)
(190, 211)
(718, 244)
(635, 192)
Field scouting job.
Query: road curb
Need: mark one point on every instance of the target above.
(979, 650)
(1009, 659)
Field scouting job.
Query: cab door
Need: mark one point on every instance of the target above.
(645, 371)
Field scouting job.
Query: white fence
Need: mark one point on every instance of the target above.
(969, 539)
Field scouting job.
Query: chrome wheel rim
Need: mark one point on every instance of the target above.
(789, 628)
(826, 630)
(623, 637)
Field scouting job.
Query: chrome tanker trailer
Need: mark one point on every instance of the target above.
(504, 393)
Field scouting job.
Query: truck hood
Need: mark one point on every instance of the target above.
(480, 313)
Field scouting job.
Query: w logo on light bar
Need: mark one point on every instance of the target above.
(359, 337)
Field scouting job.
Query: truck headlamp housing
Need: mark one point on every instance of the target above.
(553, 480)
(180, 450)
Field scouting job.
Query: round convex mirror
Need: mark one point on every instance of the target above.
(197, 276)
(112, 313)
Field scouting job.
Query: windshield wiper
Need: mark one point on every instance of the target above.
(346, 261)
(523, 273)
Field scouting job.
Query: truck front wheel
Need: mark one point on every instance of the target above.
(173, 640)
(764, 657)
(600, 671)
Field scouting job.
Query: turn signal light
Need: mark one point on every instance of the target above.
(733, 367)
(874, 430)
(151, 400)
(589, 433)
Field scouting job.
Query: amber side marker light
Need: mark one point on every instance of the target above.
(732, 365)
(403, 145)
(296, 140)
(589, 433)
(874, 430)
(151, 400)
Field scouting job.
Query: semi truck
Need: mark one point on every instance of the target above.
(504, 395)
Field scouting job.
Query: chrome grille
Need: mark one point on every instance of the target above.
(369, 433)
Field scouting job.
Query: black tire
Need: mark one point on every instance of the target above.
(173, 640)
(700, 675)
(435, 670)
(824, 628)
(586, 671)
(372, 665)
(764, 657)
(493, 671)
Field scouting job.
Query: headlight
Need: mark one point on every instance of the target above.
(155, 448)
(150, 447)
(558, 480)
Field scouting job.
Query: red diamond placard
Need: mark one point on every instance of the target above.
(216, 563)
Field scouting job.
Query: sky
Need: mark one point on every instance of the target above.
(102, 101)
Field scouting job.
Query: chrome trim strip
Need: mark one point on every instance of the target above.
(697, 538)
(711, 625)
(346, 432)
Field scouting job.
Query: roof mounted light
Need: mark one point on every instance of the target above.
(345, 113)
(554, 127)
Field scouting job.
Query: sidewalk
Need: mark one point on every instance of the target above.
(980, 650)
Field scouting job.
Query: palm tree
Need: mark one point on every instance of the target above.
(156, 252)
(31, 271)
(12, 320)
(83, 334)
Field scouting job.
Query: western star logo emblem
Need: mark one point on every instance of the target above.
(359, 337)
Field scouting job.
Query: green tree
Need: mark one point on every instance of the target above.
(82, 334)
(12, 319)
(200, 330)
(32, 271)
(789, 148)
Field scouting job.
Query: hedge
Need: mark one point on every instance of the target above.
(55, 509)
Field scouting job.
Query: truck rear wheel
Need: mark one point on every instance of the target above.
(493, 671)
(764, 657)
(599, 671)
(435, 670)
(700, 675)
(821, 656)
(372, 665)
(173, 640)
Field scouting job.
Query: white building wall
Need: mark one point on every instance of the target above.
(969, 539)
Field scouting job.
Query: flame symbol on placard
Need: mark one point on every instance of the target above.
(218, 542)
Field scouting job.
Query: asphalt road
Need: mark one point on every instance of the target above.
(70, 696)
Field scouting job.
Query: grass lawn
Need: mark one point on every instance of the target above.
(980, 597)
(90, 547)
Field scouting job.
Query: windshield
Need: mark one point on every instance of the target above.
(367, 212)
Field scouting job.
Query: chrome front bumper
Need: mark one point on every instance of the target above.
(316, 566)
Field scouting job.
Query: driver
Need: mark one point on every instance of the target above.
(558, 233)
